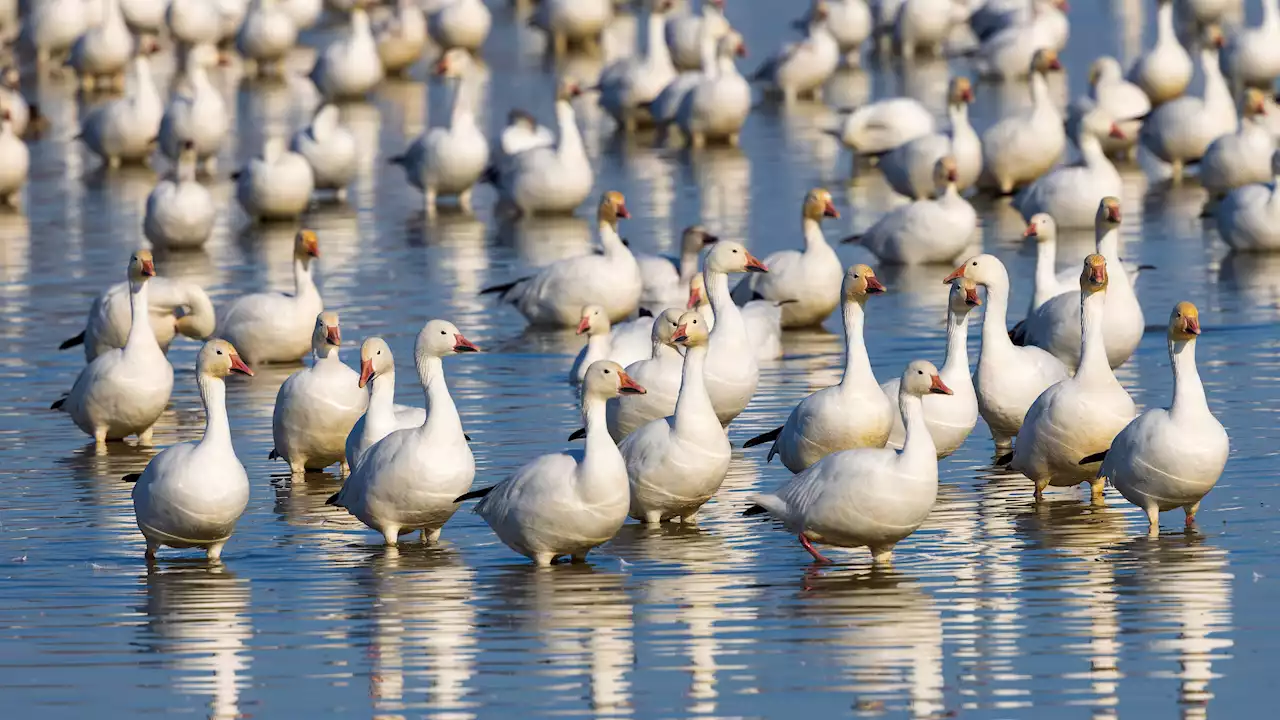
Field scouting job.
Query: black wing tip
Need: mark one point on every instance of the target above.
(333, 499)
(468, 437)
(1096, 457)
(397, 159)
(578, 434)
(503, 288)
(754, 510)
(132, 477)
(1018, 335)
(645, 312)
(851, 239)
(273, 455)
(1004, 459)
(57, 404)
(763, 438)
(72, 342)
(475, 494)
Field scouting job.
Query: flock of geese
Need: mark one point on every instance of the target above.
(673, 349)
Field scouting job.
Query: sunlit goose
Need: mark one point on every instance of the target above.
(1070, 193)
(11, 99)
(1009, 377)
(660, 376)
(566, 503)
(1164, 71)
(305, 13)
(180, 211)
(276, 185)
(807, 280)
(448, 160)
(1242, 157)
(595, 325)
(867, 497)
(1023, 146)
(144, 17)
(1203, 13)
(909, 167)
(411, 479)
(349, 67)
(628, 85)
(732, 370)
(762, 319)
(123, 391)
(883, 125)
(266, 36)
(800, 69)
(329, 147)
(684, 34)
(276, 327)
(665, 107)
(676, 464)
(197, 113)
(15, 162)
(666, 279)
(1180, 130)
(53, 26)
(1055, 325)
(1171, 458)
(192, 493)
(1249, 217)
(231, 15)
(177, 307)
(550, 179)
(123, 129)
(848, 21)
(717, 106)
(1124, 102)
(1007, 54)
(317, 407)
(554, 297)
(523, 133)
(572, 22)
(194, 22)
(461, 24)
(852, 414)
(923, 25)
(401, 36)
(1253, 53)
(1079, 416)
(1047, 283)
(383, 415)
(950, 418)
(924, 231)
(103, 50)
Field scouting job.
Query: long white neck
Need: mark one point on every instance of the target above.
(1217, 95)
(728, 319)
(693, 407)
(657, 52)
(303, 284)
(1093, 344)
(688, 265)
(1107, 244)
(461, 112)
(813, 236)
(442, 414)
(1046, 279)
(726, 66)
(570, 138)
(213, 394)
(1091, 150)
(1188, 392)
(610, 239)
(198, 76)
(1040, 99)
(141, 337)
(1270, 14)
(145, 93)
(857, 365)
(382, 399)
(600, 457)
(917, 443)
(995, 331)
(324, 352)
(360, 25)
(599, 346)
(1164, 24)
(957, 360)
(707, 47)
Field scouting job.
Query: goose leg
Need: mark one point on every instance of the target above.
(298, 467)
(390, 535)
(817, 556)
(464, 201)
(1153, 520)
(100, 440)
(579, 558)
(1096, 486)
(882, 555)
(1191, 511)
(152, 548)
(429, 199)
(653, 517)
(431, 536)
(144, 437)
(1040, 486)
(214, 552)
(344, 468)
(544, 559)
(341, 194)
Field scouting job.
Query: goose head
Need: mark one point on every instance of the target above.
(595, 321)
(694, 238)
(662, 7)
(1108, 217)
(202, 55)
(983, 269)
(1093, 278)
(1042, 227)
(1255, 103)
(375, 360)
(732, 44)
(521, 119)
(945, 172)
(691, 330)
(567, 89)
(218, 359)
(325, 119)
(1214, 39)
(455, 63)
(1045, 60)
(1105, 69)
(921, 378)
(960, 92)
(306, 246)
(820, 12)
(613, 207)
(964, 296)
(728, 256)
(11, 78)
(606, 379)
(860, 282)
(1184, 322)
(697, 292)
(187, 156)
(818, 204)
(441, 338)
(664, 326)
(1100, 124)
(327, 335)
(142, 267)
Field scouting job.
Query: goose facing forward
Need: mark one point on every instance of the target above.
(275, 327)
(383, 415)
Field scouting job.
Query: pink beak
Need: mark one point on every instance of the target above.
(366, 372)
(584, 325)
(937, 387)
(237, 365)
(461, 344)
(695, 297)
(333, 335)
(627, 386)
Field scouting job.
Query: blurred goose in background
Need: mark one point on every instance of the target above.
(103, 51)
(329, 147)
(194, 22)
(665, 107)
(848, 21)
(305, 13)
(176, 307)
(629, 85)
(1023, 146)
(1179, 131)
(15, 162)
(401, 36)
(144, 17)
(1249, 217)
(124, 129)
(231, 15)
(1047, 283)
(573, 22)
(666, 279)
(180, 211)
(52, 27)
(717, 106)
(761, 318)
(267, 36)
(1200, 14)
(1071, 193)
(383, 414)
(909, 167)
(349, 68)
(460, 24)
(923, 26)
(1252, 54)
(1243, 157)
(662, 370)
(11, 99)
(881, 126)
(197, 113)
(924, 231)
(277, 185)
(1123, 101)
(276, 327)
(523, 133)
(800, 69)
(684, 34)
(1164, 71)
(549, 178)
(1007, 54)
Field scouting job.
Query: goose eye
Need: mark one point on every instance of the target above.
(379, 352)
(735, 252)
(919, 372)
(219, 352)
(442, 332)
(606, 372)
(975, 263)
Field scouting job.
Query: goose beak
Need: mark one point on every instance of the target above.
(584, 325)
(971, 297)
(754, 264)
(1191, 325)
(957, 273)
(874, 286)
(333, 335)
(742, 50)
(830, 211)
(681, 334)
(1116, 132)
(937, 387)
(463, 345)
(366, 372)
(695, 297)
(149, 268)
(238, 366)
(967, 95)
(1113, 213)
(442, 66)
(627, 386)
(1030, 232)
(1098, 274)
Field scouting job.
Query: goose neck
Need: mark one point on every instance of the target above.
(360, 28)
(610, 240)
(1164, 24)
(570, 136)
(460, 110)
(326, 353)
(303, 283)
(957, 359)
(857, 364)
(813, 237)
(1188, 391)
(917, 443)
(656, 50)
(598, 439)
(1217, 95)
(1270, 14)
(441, 412)
(726, 313)
(140, 335)
(958, 114)
(1093, 347)
(1040, 99)
(693, 406)
(995, 331)
(213, 395)
(1045, 278)
(1107, 243)
(382, 395)
(1091, 149)
(707, 46)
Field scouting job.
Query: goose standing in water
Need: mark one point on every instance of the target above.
(925, 231)
(180, 211)
(1071, 193)
(732, 370)
(197, 113)
(909, 167)
(266, 37)
(1249, 217)
(800, 69)
(329, 147)
(277, 185)
(460, 24)
(684, 34)
(275, 327)
(1165, 71)
(122, 130)
(548, 178)
(1023, 146)
(1179, 131)
(177, 307)
(103, 50)
(349, 68)
(383, 415)
(401, 37)
(628, 85)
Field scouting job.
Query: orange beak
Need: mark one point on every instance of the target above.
(742, 50)
(937, 387)
(830, 211)
(681, 334)
(1098, 273)
(953, 175)
(1191, 325)
(627, 386)
(1116, 132)
(957, 273)
(967, 95)
(754, 264)
(461, 344)
(1113, 213)
(333, 335)
(623, 212)
(442, 66)
(584, 325)
(148, 268)
(971, 297)
(1030, 232)
(313, 249)
(695, 297)
(1055, 64)
(874, 286)
(238, 366)
(366, 372)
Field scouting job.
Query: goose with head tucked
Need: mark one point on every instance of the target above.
(732, 370)
(1164, 71)
(950, 418)
(401, 36)
(523, 133)
(180, 211)
(627, 86)
(197, 113)
(807, 280)
(567, 503)
(1248, 218)
(1070, 193)
(383, 415)
(762, 319)
(1124, 102)
(275, 327)
(1170, 458)
(660, 376)
(176, 307)
(869, 497)
(123, 391)
(554, 297)
(191, 494)
(878, 127)
(103, 50)
(800, 69)
(1179, 131)
(851, 414)
(460, 24)
(666, 279)
(15, 161)
(276, 185)
(349, 68)
(716, 107)
(1244, 156)
(317, 407)
(410, 479)
(684, 34)
(549, 178)
(676, 464)
(924, 231)
(1009, 377)
(909, 167)
(1077, 417)
(922, 26)
(122, 130)
(329, 147)
(1023, 146)
(266, 36)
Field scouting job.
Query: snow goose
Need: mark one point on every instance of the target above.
(848, 21)
(317, 407)
(11, 99)
(123, 391)
(194, 22)
(460, 24)
(349, 67)
(383, 415)
(851, 414)
(1077, 417)
(124, 129)
(305, 13)
(329, 147)
(1046, 283)
(554, 297)
(52, 27)
(177, 307)
(192, 494)
(909, 167)
(675, 464)
(549, 178)
(807, 280)
(449, 160)
(923, 25)
(1055, 325)
(950, 418)
(410, 479)
(924, 231)
(275, 327)
(684, 34)
(1249, 217)
(1253, 53)
(523, 133)
(732, 370)
(1164, 71)
(628, 85)
(1180, 130)
(881, 126)
(573, 22)
(666, 106)
(1071, 193)
(1009, 377)
(197, 113)
(231, 15)
(180, 211)
(660, 376)
(1171, 458)
(666, 279)
(144, 17)
(103, 50)
(15, 162)
(867, 497)
(1242, 157)
(595, 325)
(1023, 146)
(1120, 99)
(717, 106)
(801, 69)
(402, 35)
(1007, 54)
(267, 36)
(277, 185)
(762, 318)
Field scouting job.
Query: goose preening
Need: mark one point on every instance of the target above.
(732, 371)
(950, 418)
(1070, 193)
(566, 503)
(1249, 217)
(548, 178)
(808, 280)
(685, 34)
(460, 24)
(180, 211)
(401, 36)
(800, 69)
(1023, 146)
(555, 296)
(573, 22)
(276, 185)
(924, 231)
(676, 464)
(192, 493)
(1244, 156)
(869, 497)
(349, 67)
(1171, 458)
(909, 167)
(177, 307)
(628, 85)
(1179, 131)
(122, 131)
(1077, 417)
(851, 414)
(266, 36)
(659, 374)
(879, 127)
(102, 52)
(762, 319)
(1164, 71)
(666, 279)
(276, 327)
(329, 147)
(197, 113)
(523, 133)
(123, 391)
(411, 479)
(1123, 101)
(383, 415)
(15, 161)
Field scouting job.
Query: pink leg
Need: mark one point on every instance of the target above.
(817, 556)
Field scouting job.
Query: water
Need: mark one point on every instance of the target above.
(996, 608)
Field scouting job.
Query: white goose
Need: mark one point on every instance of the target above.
(194, 22)
(762, 319)
(15, 161)
(410, 479)
(461, 24)
(1006, 54)
(275, 327)
(848, 21)
(1124, 102)
(523, 133)
(732, 370)
(144, 17)
(666, 105)
(1047, 283)
(909, 167)
(881, 126)
(872, 497)
(1171, 458)
(1165, 71)
(180, 211)
(950, 418)
(666, 279)
(852, 414)
(801, 69)
(53, 27)
(1249, 217)
(266, 36)
(277, 185)
(12, 100)
(1253, 53)
(231, 14)
(123, 129)
(317, 407)
(103, 50)
(717, 106)
(806, 280)
(660, 376)
(1180, 130)
(676, 464)
(595, 325)
(549, 179)
(192, 493)
(305, 13)
(197, 113)
(684, 34)
(573, 22)
(1022, 147)
(383, 414)
(349, 67)
(554, 297)
(123, 391)
(1079, 416)
(1071, 193)
(329, 147)
(449, 160)
(628, 85)
(924, 231)
(1009, 377)
(177, 307)
(402, 36)
(1242, 157)
(923, 26)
